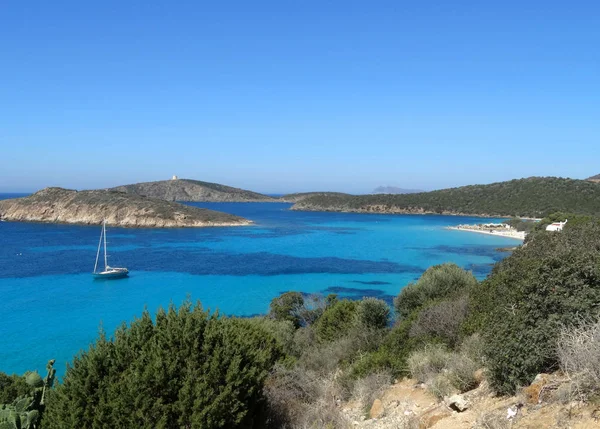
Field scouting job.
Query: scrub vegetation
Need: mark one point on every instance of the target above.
(531, 197)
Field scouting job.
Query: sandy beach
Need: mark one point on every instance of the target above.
(510, 233)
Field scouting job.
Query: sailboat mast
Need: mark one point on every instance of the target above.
(98, 252)
(105, 260)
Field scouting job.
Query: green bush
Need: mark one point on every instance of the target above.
(438, 282)
(287, 306)
(336, 320)
(373, 313)
(186, 369)
(552, 281)
(12, 386)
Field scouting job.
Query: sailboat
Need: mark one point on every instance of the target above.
(109, 272)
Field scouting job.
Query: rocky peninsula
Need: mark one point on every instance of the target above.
(58, 205)
(192, 190)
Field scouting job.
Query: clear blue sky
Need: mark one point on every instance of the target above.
(285, 96)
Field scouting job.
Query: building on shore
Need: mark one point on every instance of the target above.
(556, 226)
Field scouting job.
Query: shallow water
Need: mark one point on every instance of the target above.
(52, 307)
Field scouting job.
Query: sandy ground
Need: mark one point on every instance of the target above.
(517, 235)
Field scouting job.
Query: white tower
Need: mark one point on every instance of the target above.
(174, 177)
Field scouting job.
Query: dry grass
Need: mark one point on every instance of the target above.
(369, 388)
(440, 386)
(427, 363)
(493, 420)
(578, 351)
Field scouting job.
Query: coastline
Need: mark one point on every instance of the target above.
(517, 235)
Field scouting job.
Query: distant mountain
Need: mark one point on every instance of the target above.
(394, 190)
(531, 197)
(192, 190)
(299, 196)
(595, 178)
(58, 205)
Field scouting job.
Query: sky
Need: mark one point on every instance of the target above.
(288, 96)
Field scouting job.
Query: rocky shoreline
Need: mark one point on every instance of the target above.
(383, 209)
(58, 205)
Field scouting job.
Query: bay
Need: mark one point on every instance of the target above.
(52, 308)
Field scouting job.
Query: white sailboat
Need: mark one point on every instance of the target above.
(109, 272)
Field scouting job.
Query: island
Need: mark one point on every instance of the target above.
(58, 205)
(192, 190)
(532, 197)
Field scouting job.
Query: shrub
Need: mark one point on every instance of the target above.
(337, 320)
(300, 398)
(283, 331)
(287, 306)
(552, 281)
(460, 371)
(440, 386)
(424, 365)
(368, 388)
(186, 369)
(11, 387)
(442, 320)
(579, 356)
(438, 282)
(373, 313)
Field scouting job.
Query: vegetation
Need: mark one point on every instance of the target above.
(192, 190)
(531, 197)
(551, 282)
(186, 369)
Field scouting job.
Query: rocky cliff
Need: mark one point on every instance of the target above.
(58, 205)
(192, 190)
(595, 178)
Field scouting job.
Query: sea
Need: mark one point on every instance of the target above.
(52, 308)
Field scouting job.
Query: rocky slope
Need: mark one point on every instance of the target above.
(192, 190)
(531, 197)
(595, 178)
(58, 205)
(547, 403)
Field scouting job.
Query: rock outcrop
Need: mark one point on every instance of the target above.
(192, 190)
(58, 205)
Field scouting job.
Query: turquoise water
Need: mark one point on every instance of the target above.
(51, 307)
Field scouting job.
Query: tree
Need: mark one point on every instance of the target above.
(287, 306)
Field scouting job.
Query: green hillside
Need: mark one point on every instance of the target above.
(530, 197)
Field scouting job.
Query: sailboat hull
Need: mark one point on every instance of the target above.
(112, 274)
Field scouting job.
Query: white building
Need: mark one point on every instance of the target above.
(556, 226)
(174, 177)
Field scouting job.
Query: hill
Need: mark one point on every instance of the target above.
(300, 196)
(530, 197)
(192, 190)
(58, 205)
(595, 178)
(394, 190)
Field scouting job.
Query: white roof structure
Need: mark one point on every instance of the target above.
(556, 226)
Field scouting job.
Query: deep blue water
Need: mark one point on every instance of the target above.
(51, 307)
